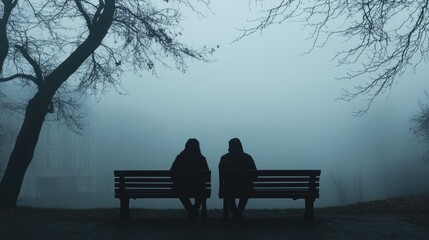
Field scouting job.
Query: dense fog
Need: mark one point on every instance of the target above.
(279, 101)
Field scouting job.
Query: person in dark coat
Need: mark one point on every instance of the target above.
(237, 159)
(187, 165)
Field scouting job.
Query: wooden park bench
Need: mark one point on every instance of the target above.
(154, 184)
(295, 184)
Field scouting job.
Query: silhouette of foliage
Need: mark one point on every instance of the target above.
(381, 38)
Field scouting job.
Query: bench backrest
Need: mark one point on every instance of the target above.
(275, 183)
(154, 183)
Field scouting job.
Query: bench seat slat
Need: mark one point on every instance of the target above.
(149, 180)
(150, 185)
(281, 190)
(276, 172)
(277, 194)
(288, 172)
(143, 190)
(149, 195)
(277, 184)
(280, 195)
(286, 190)
(145, 185)
(153, 173)
(148, 190)
(283, 179)
(161, 192)
(152, 190)
(136, 173)
(155, 195)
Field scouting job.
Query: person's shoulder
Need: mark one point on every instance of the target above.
(179, 158)
(224, 159)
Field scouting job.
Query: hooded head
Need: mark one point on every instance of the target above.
(192, 147)
(235, 146)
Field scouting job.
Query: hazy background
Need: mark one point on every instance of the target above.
(280, 103)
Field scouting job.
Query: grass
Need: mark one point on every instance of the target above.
(414, 207)
(370, 220)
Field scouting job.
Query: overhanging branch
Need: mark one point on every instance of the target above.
(84, 14)
(38, 80)
(19, 75)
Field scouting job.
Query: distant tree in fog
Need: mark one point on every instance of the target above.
(381, 39)
(58, 49)
(341, 188)
(359, 188)
(2, 143)
(420, 126)
(346, 190)
(2, 138)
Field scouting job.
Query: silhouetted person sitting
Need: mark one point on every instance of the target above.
(186, 181)
(241, 184)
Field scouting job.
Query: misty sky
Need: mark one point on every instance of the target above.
(280, 103)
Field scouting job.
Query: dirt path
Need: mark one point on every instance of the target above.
(29, 223)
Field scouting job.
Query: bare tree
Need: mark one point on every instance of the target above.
(381, 38)
(58, 48)
(359, 188)
(1, 149)
(2, 137)
(341, 187)
(420, 126)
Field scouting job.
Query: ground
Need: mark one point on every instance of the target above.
(399, 218)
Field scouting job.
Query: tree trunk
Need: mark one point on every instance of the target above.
(23, 151)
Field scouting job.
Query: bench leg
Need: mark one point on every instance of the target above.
(225, 210)
(125, 208)
(309, 209)
(204, 209)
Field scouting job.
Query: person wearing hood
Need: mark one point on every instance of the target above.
(236, 159)
(189, 161)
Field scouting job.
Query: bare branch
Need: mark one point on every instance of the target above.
(98, 12)
(84, 14)
(384, 38)
(142, 36)
(67, 109)
(17, 76)
(4, 40)
(38, 80)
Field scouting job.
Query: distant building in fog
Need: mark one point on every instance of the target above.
(10, 124)
(64, 164)
(63, 168)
